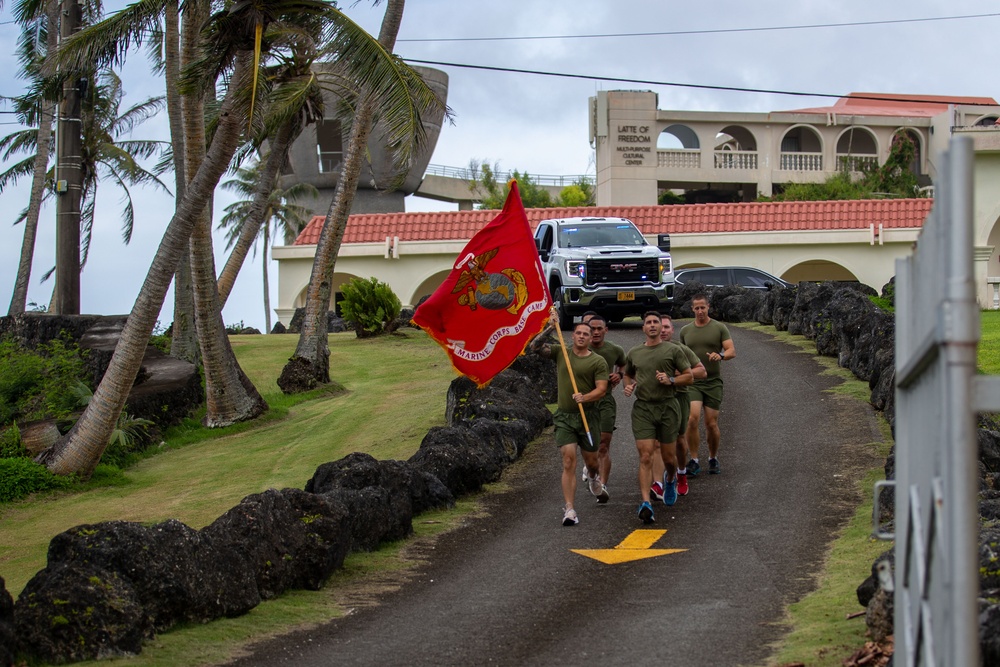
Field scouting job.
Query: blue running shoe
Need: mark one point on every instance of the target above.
(713, 467)
(693, 468)
(669, 492)
(646, 512)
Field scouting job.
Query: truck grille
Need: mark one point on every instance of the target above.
(623, 271)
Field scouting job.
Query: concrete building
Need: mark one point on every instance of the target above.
(642, 150)
(831, 240)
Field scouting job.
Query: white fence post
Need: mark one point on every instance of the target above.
(937, 524)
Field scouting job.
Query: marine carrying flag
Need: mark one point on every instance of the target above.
(493, 301)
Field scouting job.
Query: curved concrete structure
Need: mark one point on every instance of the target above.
(315, 157)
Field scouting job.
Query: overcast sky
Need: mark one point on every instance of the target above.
(538, 123)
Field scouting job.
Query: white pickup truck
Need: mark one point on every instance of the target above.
(605, 265)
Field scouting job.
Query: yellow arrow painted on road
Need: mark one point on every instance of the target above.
(636, 546)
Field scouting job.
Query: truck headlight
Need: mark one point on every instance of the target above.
(664, 268)
(576, 268)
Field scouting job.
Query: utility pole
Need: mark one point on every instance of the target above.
(69, 178)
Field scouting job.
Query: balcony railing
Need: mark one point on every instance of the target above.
(679, 158)
(856, 162)
(802, 161)
(736, 159)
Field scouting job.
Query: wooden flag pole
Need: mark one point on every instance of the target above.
(572, 380)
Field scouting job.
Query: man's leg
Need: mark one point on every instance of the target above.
(712, 433)
(646, 448)
(604, 457)
(693, 437)
(668, 458)
(569, 473)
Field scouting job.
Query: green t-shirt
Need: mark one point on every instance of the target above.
(613, 353)
(704, 340)
(691, 357)
(587, 370)
(644, 361)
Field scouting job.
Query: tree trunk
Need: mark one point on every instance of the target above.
(19, 300)
(81, 449)
(184, 338)
(310, 365)
(255, 216)
(229, 395)
(267, 284)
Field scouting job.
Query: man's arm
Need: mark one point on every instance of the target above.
(684, 378)
(594, 395)
(728, 350)
(698, 371)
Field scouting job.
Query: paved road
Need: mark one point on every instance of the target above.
(506, 589)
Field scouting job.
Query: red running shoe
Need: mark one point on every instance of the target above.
(682, 484)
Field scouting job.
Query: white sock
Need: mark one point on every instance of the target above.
(682, 471)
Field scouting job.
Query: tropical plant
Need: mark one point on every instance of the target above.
(233, 36)
(370, 304)
(36, 109)
(106, 153)
(490, 186)
(279, 216)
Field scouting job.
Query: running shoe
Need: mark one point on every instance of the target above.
(595, 485)
(693, 468)
(603, 496)
(682, 484)
(585, 475)
(713, 467)
(570, 518)
(669, 492)
(646, 513)
(656, 491)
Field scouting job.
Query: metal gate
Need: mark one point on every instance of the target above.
(937, 397)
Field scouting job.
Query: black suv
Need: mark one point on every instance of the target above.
(719, 276)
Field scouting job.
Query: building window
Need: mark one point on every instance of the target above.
(329, 145)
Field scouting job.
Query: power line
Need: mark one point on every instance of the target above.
(716, 31)
(702, 86)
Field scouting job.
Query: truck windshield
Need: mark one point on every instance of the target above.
(600, 234)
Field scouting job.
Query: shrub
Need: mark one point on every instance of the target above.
(10, 443)
(21, 477)
(130, 437)
(36, 384)
(370, 304)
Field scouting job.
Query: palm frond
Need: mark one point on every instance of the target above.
(18, 170)
(105, 43)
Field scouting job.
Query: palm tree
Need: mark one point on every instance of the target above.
(295, 100)
(400, 116)
(242, 217)
(364, 61)
(105, 152)
(37, 40)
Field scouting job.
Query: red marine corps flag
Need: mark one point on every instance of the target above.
(493, 301)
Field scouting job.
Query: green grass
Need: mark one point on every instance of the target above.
(394, 391)
(989, 343)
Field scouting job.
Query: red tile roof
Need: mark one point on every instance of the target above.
(678, 219)
(889, 104)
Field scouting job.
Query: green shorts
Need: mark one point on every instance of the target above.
(708, 391)
(656, 421)
(608, 408)
(684, 401)
(570, 430)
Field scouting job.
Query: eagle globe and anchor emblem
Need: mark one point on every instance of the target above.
(476, 287)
